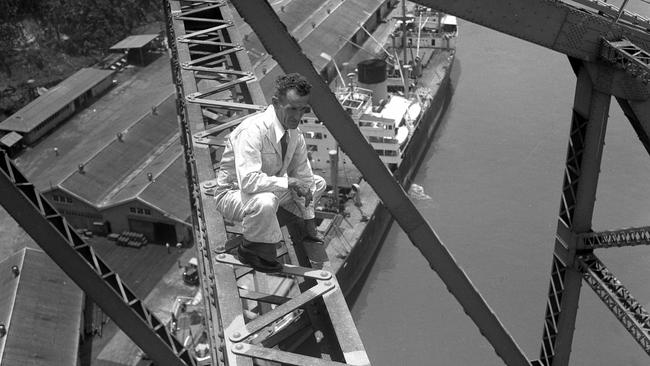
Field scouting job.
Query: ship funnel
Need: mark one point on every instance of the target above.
(372, 75)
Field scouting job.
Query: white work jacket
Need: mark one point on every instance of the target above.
(252, 159)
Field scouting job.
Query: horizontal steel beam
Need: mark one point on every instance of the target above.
(549, 23)
(615, 238)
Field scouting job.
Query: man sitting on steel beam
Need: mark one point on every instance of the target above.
(265, 166)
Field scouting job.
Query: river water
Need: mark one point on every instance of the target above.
(494, 175)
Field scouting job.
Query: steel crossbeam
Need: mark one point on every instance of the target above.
(285, 358)
(627, 56)
(617, 298)
(549, 23)
(615, 238)
(80, 262)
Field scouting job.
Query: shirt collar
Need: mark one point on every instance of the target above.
(277, 126)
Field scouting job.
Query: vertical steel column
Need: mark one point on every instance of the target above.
(584, 155)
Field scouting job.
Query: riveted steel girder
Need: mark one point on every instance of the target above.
(556, 25)
(549, 23)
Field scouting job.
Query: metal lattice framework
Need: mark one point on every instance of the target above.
(616, 238)
(627, 56)
(80, 262)
(617, 298)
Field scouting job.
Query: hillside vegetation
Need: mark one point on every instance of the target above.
(45, 41)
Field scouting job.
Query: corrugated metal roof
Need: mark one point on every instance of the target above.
(169, 192)
(120, 161)
(134, 41)
(45, 312)
(332, 34)
(115, 111)
(329, 36)
(11, 139)
(40, 109)
(8, 286)
(132, 188)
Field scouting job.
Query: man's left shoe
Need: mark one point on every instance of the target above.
(312, 235)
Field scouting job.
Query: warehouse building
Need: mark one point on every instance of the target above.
(135, 182)
(40, 324)
(57, 104)
(139, 48)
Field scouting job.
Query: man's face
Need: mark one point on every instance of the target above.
(291, 108)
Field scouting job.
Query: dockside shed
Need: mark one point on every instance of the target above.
(57, 104)
(40, 324)
(137, 48)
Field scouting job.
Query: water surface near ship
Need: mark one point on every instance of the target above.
(494, 175)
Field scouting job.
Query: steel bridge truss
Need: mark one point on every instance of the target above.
(80, 262)
(216, 90)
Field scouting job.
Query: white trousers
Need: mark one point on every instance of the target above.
(257, 212)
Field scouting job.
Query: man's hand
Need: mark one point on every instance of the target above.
(302, 189)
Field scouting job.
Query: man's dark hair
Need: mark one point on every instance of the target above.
(284, 83)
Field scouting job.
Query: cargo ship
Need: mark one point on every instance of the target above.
(398, 103)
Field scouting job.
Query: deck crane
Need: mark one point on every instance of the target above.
(606, 47)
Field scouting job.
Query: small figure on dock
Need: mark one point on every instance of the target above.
(265, 166)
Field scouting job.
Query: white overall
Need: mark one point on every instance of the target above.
(252, 181)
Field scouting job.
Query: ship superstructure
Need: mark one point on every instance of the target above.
(386, 125)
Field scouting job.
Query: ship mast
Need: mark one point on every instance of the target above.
(404, 34)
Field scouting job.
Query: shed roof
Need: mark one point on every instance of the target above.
(169, 192)
(329, 37)
(10, 139)
(119, 162)
(42, 310)
(332, 34)
(40, 109)
(134, 41)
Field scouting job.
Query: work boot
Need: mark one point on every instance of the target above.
(260, 256)
(311, 234)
